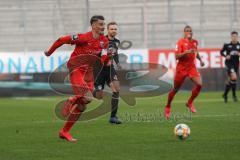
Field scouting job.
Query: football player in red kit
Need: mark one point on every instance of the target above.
(88, 46)
(186, 54)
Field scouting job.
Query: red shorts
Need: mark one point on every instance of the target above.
(82, 81)
(181, 74)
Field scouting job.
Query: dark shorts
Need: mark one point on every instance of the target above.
(232, 68)
(106, 76)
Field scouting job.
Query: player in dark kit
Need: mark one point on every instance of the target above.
(231, 51)
(80, 65)
(108, 73)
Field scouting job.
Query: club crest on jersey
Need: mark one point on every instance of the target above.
(115, 78)
(238, 46)
(117, 44)
(102, 44)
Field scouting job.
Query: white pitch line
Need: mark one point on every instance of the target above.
(215, 115)
(193, 116)
(33, 98)
(174, 101)
(199, 100)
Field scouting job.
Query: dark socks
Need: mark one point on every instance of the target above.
(114, 103)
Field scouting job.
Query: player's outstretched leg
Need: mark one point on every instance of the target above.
(195, 91)
(74, 114)
(178, 81)
(168, 105)
(73, 117)
(115, 86)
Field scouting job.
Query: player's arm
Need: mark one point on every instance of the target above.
(105, 54)
(198, 55)
(116, 58)
(223, 51)
(200, 59)
(68, 39)
(58, 43)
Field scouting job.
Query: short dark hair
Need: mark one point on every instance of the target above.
(111, 23)
(186, 27)
(234, 32)
(95, 18)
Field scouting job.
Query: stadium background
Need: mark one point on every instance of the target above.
(28, 27)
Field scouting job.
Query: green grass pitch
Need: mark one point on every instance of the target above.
(29, 130)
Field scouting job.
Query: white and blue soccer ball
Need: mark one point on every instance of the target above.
(182, 131)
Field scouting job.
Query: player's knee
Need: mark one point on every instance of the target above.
(199, 84)
(175, 89)
(98, 94)
(116, 89)
(81, 107)
(233, 78)
(199, 87)
(88, 97)
(84, 100)
(115, 94)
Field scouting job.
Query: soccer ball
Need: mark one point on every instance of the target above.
(182, 131)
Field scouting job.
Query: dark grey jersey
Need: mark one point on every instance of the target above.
(114, 43)
(233, 50)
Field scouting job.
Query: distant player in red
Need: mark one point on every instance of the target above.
(88, 46)
(186, 54)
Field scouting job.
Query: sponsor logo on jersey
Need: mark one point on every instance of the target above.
(115, 77)
(238, 46)
(117, 44)
(102, 44)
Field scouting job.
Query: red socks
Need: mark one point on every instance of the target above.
(195, 92)
(170, 97)
(72, 119)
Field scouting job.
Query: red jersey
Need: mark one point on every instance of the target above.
(188, 60)
(87, 48)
